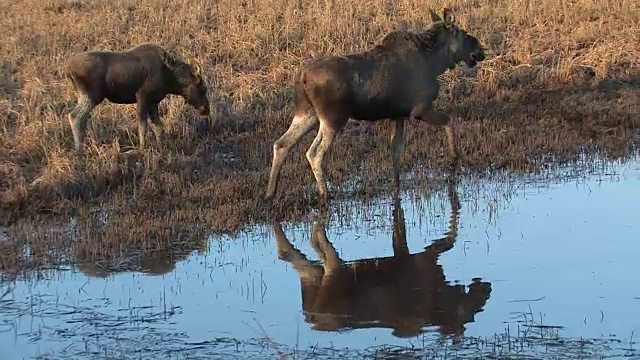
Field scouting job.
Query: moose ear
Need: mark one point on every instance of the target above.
(172, 59)
(196, 69)
(449, 17)
(169, 59)
(434, 17)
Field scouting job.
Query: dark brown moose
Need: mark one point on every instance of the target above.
(404, 292)
(143, 75)
(396, 79)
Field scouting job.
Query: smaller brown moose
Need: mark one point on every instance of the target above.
(143, 75)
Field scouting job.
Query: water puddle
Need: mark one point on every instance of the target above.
(545, 269)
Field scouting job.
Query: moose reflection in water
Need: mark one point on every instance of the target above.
(157, 256)
(158, 262)
(404, 292)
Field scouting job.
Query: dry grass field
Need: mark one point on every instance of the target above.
(561, 77)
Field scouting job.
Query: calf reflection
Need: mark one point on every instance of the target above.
(158, 262)
(404, 292)
(102, 253)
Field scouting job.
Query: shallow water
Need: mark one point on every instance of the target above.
(557, 260)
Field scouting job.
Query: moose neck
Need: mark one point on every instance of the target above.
(175, 85)
(437, 55)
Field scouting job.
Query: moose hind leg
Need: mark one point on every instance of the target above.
(324, 248)
(78, 119)
(300, 126)
(156, 124)
(315, 155)
(424, 112)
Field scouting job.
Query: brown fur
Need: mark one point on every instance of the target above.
(405, 292)
(394, 80)
(143, 75)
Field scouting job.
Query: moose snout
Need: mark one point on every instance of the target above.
(474, 59)
(204, 110)
(477, 56)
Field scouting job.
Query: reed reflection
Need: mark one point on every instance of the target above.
(404, 292)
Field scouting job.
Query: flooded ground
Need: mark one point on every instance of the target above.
(484, 267)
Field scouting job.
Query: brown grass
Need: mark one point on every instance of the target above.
(561, 77)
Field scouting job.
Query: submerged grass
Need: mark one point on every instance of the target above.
(561, 79)
(84, 331)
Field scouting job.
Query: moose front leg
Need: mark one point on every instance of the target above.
(397, 145)
(78, 120)
(452, 144)
(399, 236)
(424, 112)
(156, 124)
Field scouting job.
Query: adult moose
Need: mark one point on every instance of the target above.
(143, 75)
(394, 80)
(404, 292)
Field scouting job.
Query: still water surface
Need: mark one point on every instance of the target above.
(562, 255)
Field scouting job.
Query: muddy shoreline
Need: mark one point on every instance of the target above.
(224, 173)
(122, 233)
